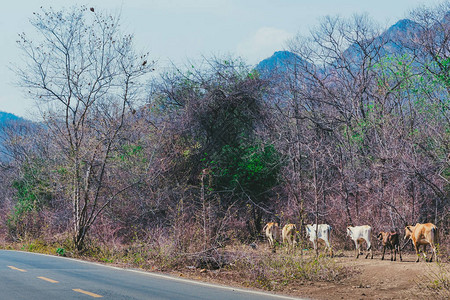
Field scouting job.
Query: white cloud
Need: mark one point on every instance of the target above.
(263, 44)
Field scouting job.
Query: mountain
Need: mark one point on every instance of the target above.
(7, 117)
(5, 120)
(282, 65)
(396, 40)
(399, 35)
(280, 62)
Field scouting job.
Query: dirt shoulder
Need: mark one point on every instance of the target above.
(369, 279)
(377, 279)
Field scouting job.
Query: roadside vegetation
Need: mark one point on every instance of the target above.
(437, 281)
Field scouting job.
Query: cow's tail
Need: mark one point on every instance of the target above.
(434, 235)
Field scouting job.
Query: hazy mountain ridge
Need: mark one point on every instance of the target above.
(6, 117)
(279, 62)
(398, 39)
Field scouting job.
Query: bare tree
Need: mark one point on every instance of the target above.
(84, 74)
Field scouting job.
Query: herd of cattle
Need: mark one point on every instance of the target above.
(420, 234)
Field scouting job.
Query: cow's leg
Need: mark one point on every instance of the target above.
(395, 252)
(433, 249)
(391, 253)
(384, 250)
(425, 252)
(399, 251)
(357, 248)
(416, 247)
(435, 253)
(328, 247)
(369, 251)
(360, 248)
(271, 244)
(294, 244)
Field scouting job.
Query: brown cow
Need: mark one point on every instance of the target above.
(272, 231)
(288, 234)
(390, 240)
(423, 234)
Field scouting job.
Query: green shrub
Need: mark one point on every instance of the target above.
(61, 251)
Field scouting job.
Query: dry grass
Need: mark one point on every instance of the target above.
(276, 272)
(437, 281)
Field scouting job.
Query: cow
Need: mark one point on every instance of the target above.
(288, 234)
(390, 240)
(423, 234)
(272, 231)
(324, 231)
(359, 234)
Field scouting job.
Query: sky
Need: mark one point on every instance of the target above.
(175, 31)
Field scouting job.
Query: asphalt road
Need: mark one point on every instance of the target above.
(31, 276)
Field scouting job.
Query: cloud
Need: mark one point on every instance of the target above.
(263, 43)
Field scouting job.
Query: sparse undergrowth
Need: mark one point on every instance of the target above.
(275, 272)
(437, 281)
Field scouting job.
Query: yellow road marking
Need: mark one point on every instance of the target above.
(14, 268)
(48, 279)
(87, 293)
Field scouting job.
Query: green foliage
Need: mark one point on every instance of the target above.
(130, 151)
(32, 190)
(252, 169)
(443, 75)
(394, 72)
(61, 251)
(254, 75)
(32, 193)
(37, 246)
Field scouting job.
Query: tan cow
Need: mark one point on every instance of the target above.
(272, 231)
(288, 234)
(423, 234)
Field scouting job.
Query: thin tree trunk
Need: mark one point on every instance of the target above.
(316, 205)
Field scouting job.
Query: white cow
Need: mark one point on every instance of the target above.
(359, 234)
(324, 231)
